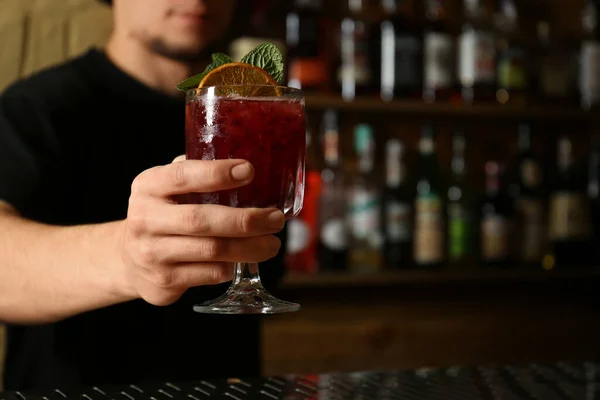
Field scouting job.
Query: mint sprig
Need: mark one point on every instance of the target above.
(266, 56)
(218, 59)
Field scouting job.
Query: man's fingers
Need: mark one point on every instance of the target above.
(191, 274)
(179, 158)
(186, 249)
(186, 275)
(170, 281)
(207, 220)
(193, 176)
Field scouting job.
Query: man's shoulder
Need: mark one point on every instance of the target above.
(52, 85)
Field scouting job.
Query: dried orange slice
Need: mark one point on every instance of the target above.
(237, 74)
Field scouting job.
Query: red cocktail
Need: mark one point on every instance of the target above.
(270, 133)
(268, 129)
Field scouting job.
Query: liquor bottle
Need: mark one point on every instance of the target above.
(477, 54)
(496, 218)
(306, 61)
(365, 207)
(397, 205)
(569, 216)
(593, 191)
(557, 68)
(258, 32)
(461, 237)
(512, 74)
(333, 238)
(354, 74)
(589, 73)
(301, 249)
(530, 227)
(429, 232)
(401, 53)
(438, 54)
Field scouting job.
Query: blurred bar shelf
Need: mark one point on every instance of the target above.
(436, 277)
(447, 109)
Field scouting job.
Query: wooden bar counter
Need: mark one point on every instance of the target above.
(411, 319)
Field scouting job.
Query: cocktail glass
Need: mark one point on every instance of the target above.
(266, 126)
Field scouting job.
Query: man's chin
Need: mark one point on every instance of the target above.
(187, 54)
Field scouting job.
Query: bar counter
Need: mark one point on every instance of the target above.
(564, 381)
(415, 318)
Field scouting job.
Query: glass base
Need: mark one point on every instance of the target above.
(246, 297)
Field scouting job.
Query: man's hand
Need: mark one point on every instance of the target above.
(169, 247)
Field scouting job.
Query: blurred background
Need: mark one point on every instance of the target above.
(452, 206)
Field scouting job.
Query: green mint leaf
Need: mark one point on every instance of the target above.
(190, 83)
(268, 57)
(218, 59)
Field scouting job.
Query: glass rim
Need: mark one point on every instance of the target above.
(285, 90)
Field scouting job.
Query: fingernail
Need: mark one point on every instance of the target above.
(275, 220)
(241, 172)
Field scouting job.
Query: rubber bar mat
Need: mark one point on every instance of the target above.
(562, 381)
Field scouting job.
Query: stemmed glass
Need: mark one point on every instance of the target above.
(266, 126)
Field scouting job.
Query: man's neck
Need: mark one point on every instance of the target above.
(151, 69)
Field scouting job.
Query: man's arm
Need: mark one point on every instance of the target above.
(48, 273)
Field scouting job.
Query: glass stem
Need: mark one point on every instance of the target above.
(246, 274)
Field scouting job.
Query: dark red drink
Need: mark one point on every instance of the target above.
(269, 132)
(266, 126)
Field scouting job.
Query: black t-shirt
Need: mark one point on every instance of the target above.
(72, 139)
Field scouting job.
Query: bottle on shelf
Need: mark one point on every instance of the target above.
(438, 54)
(303, 233)
(496, 218)
(397, 204)
(512, 71)
(429, 231)
(259, 32)
(333, 237)
(306, 60)
(530, 226)
(557, 68)
(593, 192)
(355, 75)
(477, 53)
(366, 239)
(569, 216)
(589, 63)
(461, 235)
(401, 53)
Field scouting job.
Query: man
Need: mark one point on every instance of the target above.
(99, 266)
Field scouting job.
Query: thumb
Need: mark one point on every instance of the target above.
(179, 158)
